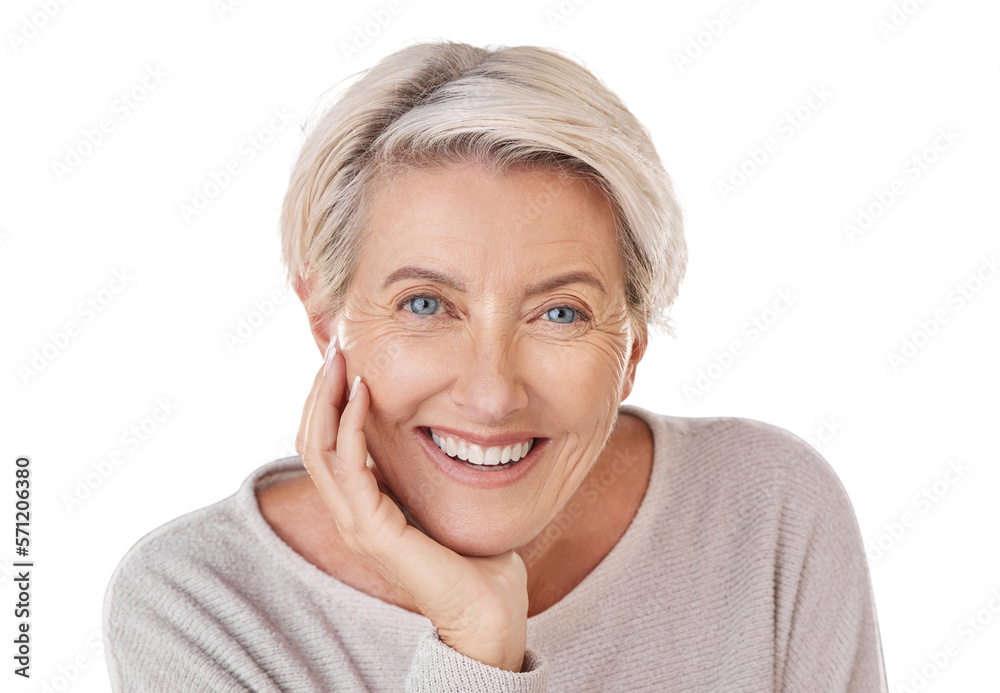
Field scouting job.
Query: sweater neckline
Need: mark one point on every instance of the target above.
(606, 575)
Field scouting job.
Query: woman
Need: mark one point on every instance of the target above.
(481, 239)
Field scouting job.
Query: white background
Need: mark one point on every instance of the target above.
(822, 365)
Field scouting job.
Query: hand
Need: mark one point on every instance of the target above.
(479, 605)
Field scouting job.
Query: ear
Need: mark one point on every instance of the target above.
(319, 323)
(639, 342)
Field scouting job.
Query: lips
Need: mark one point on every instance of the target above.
(479, 455)
(479, 476)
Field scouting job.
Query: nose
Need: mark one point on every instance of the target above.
(489, 385)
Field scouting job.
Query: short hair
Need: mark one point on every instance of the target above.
(508, 108)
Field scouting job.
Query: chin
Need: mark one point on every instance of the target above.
(463, 537)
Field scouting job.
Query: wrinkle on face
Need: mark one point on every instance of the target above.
(490, 360)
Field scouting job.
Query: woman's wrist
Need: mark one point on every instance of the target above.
(502, 648)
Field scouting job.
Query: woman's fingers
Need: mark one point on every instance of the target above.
(317, 438)
(311, 397)
(377, 514)
(335, 454)
(350, 463)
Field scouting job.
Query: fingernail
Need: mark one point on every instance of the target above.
(331, 351)
(354, 387)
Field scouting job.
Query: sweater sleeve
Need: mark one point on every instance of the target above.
(438, 668)
(161, 637)
(826, 630)
(182, 613)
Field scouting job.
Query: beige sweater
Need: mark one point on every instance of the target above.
(743, 570)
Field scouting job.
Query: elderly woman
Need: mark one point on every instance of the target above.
(481, 239)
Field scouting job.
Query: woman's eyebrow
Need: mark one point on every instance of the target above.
(414, 272)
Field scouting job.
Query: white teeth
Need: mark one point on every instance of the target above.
(515, 452)
(475, 454)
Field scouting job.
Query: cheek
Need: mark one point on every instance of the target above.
(402, 368)
(399, 368)
(392, 360)
(565, 370)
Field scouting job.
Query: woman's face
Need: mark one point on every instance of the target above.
(488, 307)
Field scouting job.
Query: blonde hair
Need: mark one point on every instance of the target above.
(509, 108)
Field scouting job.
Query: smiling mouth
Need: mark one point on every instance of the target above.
(476, 457)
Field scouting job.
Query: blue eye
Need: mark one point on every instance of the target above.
(423, 305)
(426, 305)
(559, 312)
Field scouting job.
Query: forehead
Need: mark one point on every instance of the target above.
(464, 216)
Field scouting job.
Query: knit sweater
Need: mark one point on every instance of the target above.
(742, 570)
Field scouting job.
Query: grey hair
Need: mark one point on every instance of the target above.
(509, 108)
